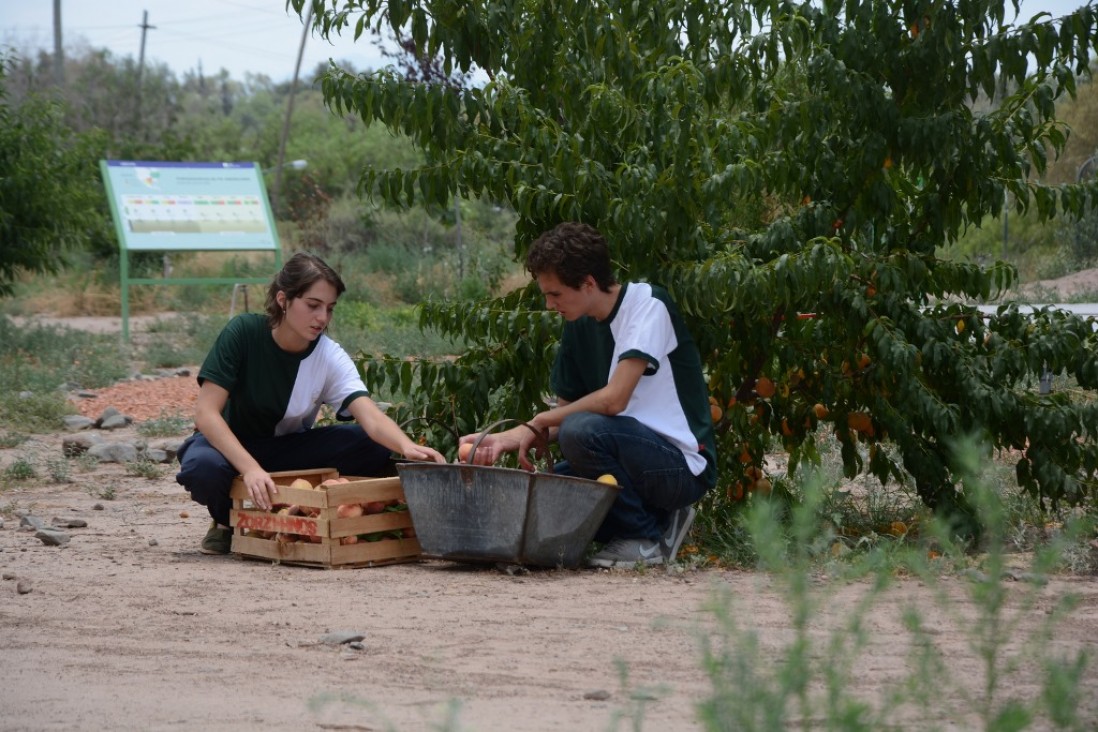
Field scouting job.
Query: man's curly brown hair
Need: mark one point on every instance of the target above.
(571, 251)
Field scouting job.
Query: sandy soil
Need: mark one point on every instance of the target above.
(129, 627)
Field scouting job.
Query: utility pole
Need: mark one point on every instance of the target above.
(145, 28)
(277, 192)
(58, 50)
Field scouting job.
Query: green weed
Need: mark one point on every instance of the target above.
(166, 425)
(59, 470)
(85, 462)
(638, 698)
(823, 673)
(20, 469)
(144, 468)
(107, 493)
(35, 412)
(9, 440)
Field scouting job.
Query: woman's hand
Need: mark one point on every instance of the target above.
(412, 451)
(261, 487)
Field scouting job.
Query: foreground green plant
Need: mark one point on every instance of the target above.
(995, 636)
(975, 644)
(812, 681)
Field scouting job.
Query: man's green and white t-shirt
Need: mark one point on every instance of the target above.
(671, 398)
(272, 392)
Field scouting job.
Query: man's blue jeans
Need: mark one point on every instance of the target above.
(651, 472)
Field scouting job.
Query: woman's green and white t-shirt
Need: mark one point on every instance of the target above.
(272, 392)
(672, 398)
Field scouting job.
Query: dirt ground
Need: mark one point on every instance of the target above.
(1065, 288)
(129, 627)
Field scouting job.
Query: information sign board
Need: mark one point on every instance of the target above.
(177, 206)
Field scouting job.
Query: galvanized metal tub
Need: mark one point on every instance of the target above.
(489, 514)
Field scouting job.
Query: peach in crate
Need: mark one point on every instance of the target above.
(323, 519)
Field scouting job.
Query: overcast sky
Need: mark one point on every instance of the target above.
(259, 36)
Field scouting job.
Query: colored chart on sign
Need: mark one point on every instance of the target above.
(144, 214)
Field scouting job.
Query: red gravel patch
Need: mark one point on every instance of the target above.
(171, 396)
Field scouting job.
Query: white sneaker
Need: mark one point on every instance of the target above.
(675, 535)
(628, 553)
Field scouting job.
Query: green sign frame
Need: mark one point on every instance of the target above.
(195, 207)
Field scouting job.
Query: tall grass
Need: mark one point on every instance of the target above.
(41, 358)
(38, 363)
(816, 677)
(170, 342)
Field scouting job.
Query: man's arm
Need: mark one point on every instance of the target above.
(610, 400)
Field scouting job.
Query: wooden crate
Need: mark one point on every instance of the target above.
(322, 547)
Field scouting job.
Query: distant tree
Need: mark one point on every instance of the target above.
(1080, 115)
(1083, 231)
(1080, 161)
(102, 93)
(50, 191)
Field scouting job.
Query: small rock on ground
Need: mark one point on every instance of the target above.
(52, 537)
(339, 637)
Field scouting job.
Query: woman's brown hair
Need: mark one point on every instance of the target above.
(297, 275)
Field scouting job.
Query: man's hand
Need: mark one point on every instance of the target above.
(530, 437)
(493, 446)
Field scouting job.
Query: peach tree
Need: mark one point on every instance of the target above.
(791, 171)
